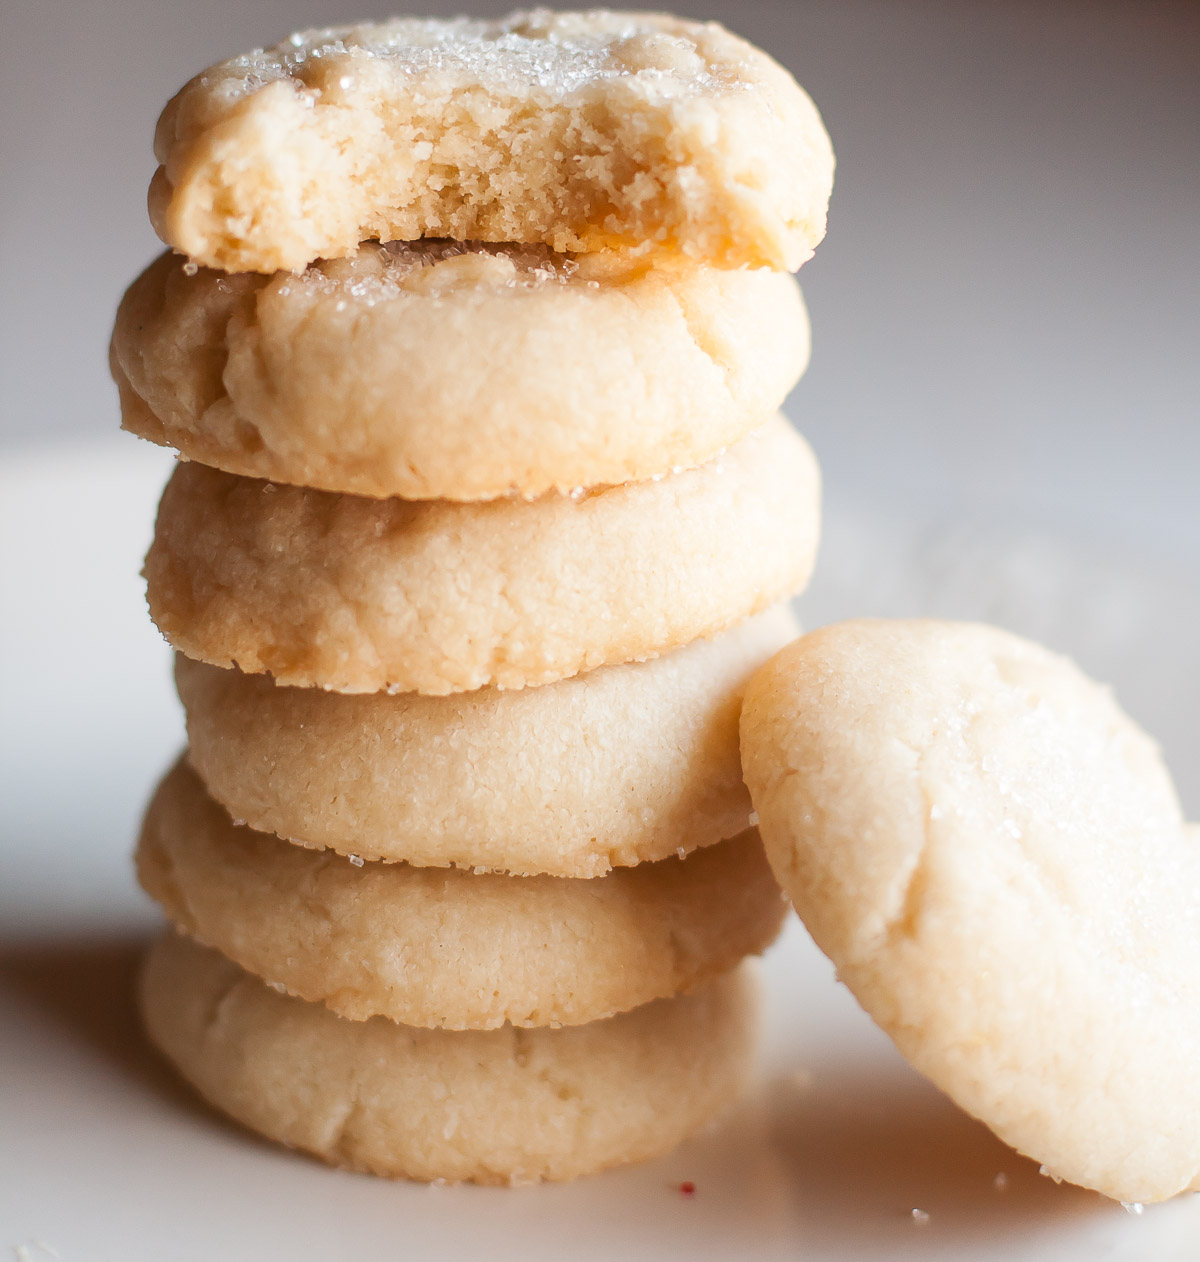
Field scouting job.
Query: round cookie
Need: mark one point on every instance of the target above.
(445, 947)
(359, 595)
(992, 854)
(582, 131)
(491, 1106)
(452, 371)
(623, 765)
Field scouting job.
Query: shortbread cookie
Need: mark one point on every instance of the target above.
(993, 856)
(619, 766)
(492, 1106)
(358, 595)
(446, 947)
(440, 370)
(582, 131)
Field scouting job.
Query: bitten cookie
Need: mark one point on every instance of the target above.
(445, 947)
(463, 372)
(359, 595)
(993, 856)
(582, 131)
(492, 1106)
(619, 766)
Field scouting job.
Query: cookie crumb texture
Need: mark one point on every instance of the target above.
(447, 947)
(503, 1106)
(455, 371)
(993, 855)
(582, 131)
(361, 595)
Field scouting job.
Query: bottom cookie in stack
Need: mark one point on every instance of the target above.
(392, 1030)
(507, 1105)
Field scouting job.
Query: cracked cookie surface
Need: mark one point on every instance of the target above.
(439, 370)
(491, 1106)
(993, 855)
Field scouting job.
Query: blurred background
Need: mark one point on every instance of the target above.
(1005, 398)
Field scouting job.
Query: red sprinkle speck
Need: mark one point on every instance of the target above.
(687, 1189)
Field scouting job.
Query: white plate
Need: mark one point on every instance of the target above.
(103, 1156)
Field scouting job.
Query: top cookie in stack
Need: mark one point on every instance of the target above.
(579, 131)
(503, 435)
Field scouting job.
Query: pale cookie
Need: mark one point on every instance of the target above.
(446, 947)
(358, 595)
(992, 855)
(492, 1106)
(616, 767)
(582, 131)
(440, 370)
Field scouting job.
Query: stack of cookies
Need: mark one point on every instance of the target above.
(472, 344)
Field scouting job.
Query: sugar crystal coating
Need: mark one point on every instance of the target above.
(584, 131)
(444, 370)
(992, 854)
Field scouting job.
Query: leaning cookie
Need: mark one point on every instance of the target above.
(993, 856)
(463, 372)
(492, 1106)
(445, 947)
(359, 595)
(582, 131)
(623, 765)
